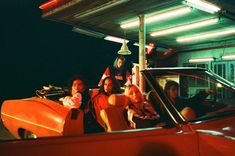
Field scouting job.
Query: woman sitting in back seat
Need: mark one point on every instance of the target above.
(140, 113)
(109, 86)
(78, 93)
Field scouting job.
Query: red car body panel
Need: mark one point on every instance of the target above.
(27, 114)
(216, 137)
(135, 142)
(210, 134)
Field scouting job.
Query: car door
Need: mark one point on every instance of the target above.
(216, 135)
(167, 138)
(149, 141)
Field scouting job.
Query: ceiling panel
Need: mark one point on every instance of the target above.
(105, 16)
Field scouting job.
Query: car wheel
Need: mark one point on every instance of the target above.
(29, 135)
(25, 134)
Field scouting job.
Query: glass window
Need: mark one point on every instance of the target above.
(202, 91)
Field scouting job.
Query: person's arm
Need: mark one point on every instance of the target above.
(128, 78)
(130, 115)
(142, 121)
(73, 102)
(106, 74)
(202, 95)
(100, 102)
(199, 96)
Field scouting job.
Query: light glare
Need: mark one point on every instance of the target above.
(205, 35)
(158, 17)
(203, 5)
(201, 60)
(184, 27)
(228, 57)
(115, 39)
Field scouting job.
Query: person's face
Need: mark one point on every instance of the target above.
(108, 86)
(135, 95)
(77, 86)
(119, 63)
(172, 93)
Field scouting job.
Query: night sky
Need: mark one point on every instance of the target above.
(36, 52)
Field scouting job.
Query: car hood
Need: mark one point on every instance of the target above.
(224, 127)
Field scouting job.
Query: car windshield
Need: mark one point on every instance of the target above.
(203, 91)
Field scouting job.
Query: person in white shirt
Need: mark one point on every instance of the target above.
(77, 89)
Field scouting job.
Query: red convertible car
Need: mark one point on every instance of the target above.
(41, 116)
(212, 132)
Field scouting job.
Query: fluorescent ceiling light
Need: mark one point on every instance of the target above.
(146, 46)
(158, 17)
(228, 57)
(203, 5)
(115, 39)
(193, 60)
(219, 85)
(206, 35)
(185, 27)
(88, 32)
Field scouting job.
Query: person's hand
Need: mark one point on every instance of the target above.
(211, 91)
(61, 99)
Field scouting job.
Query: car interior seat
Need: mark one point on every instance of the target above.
(113, 116)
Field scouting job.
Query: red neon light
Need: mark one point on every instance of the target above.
(149, 50)
(165, 53)
(47, 4)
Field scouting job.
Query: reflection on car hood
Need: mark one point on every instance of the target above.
(224, 127)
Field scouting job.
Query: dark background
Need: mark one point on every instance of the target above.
(36, 52)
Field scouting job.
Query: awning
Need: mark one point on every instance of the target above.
(100, 18)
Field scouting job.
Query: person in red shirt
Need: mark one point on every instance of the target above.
(100, 101)
(118, 71)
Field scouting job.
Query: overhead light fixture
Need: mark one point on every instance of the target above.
(194, 60)
(115, 39)
(47, 4)
(88, 32)
(146, 46)
(149, 47)
(185, 27)
(228, 57)
(158, 17)
(203, 5)
(206, 35)
(124, 49)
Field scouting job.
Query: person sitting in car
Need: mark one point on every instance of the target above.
(185, 106)
(139, 113)
(79, 93)
(118, 71)
(109, 86)
(79, 99)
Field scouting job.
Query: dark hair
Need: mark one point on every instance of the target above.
(116, 86)
(169, 84)
(73, 78)
(116, 60)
